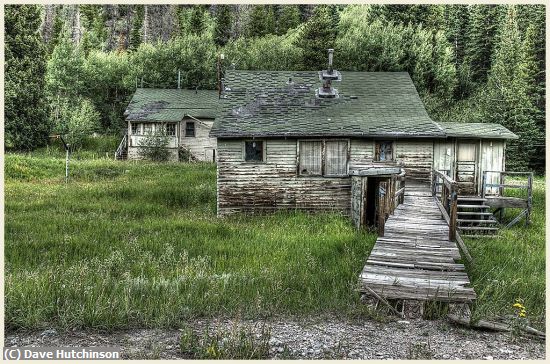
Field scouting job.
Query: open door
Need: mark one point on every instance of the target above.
(466, 167)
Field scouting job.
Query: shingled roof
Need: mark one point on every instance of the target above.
(477, 130)
(158, 105)
(283, 103)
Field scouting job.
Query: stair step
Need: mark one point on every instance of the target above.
(478, 228)
(474, 213)
(471, 199)
(492, 221)
(473, 206)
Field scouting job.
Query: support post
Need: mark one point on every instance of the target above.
(529, 198)
(67, 165)
(483, 184)
(453, 213)
(382, 189)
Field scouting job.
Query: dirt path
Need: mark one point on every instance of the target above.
(415, 339)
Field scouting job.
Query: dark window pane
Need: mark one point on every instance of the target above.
(254, 151)
(384, 151)
(171, 129)
(189, 129)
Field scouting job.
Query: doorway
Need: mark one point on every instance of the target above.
(466, 167)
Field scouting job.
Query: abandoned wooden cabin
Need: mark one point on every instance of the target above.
(184, 116)
(297, 140)
(362, 143)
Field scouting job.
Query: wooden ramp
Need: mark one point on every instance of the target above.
(414, 259)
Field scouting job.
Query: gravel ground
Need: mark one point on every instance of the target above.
(313, 339)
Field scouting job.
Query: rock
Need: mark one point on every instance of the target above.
(489, 357)
(403, 322)
(49, 332)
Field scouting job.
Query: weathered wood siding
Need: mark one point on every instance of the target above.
(416, 157)
(467, 166)
(201, 145)
(444, 156)
(133, 154)
(492, 159)
(275, 184)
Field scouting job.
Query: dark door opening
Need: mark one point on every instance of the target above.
(372, 201)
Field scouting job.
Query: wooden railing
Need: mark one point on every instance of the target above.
(121, 147)
(528, 186)
(390, 195)
(447, 201)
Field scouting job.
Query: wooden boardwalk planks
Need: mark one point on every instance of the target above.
(415, 259)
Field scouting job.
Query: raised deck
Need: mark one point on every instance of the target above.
(415, 260)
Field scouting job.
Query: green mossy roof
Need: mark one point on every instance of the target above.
(262, 103)
(477, 130)
(150, 104)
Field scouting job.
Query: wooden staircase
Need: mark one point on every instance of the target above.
(474, 220)
(122, 150)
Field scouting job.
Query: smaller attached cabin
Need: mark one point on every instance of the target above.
(185, 116)
(470, 149)
(300, 140)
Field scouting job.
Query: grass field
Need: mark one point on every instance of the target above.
(128, 244)
(136, 244)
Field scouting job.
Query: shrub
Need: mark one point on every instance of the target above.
(154, 147)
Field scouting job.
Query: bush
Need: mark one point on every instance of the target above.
(154, 147)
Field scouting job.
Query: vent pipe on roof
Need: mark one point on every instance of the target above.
(327, 76)
(179, 79)
(330, 55)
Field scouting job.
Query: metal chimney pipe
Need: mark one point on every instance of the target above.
(179, 79)
(330, 55)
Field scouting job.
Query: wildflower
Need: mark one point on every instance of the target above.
(518, 305)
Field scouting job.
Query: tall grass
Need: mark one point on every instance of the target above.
(135, 244)
(512, 266)
(128, 244)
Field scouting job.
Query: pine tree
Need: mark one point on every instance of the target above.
(456, 29)
(481, 39)
(137, 24)
(197, 21)
(289, 18)
(317, 36)
(508, 100)
(257, 25)
(222, 26)
(26, 125)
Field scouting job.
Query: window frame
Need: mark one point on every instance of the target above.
(175, 129)
(264, 150)
(323, 157)
(194, 129)
(376, 156)
(138, 129)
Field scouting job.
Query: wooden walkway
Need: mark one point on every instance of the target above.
(415, 259)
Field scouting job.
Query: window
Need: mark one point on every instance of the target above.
(254, 151)
(336, 153)
(171, 129)
(323, 158)
(383, 151)
(135, 129)
(147, 129)
(189, 129)
(311, 158)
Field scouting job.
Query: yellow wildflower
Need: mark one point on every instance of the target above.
(518, 305)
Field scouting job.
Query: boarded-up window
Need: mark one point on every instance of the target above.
(310, 158)
(190, 129)
(383, 151)
(254, 151)
(466, 152)
(336, 158)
